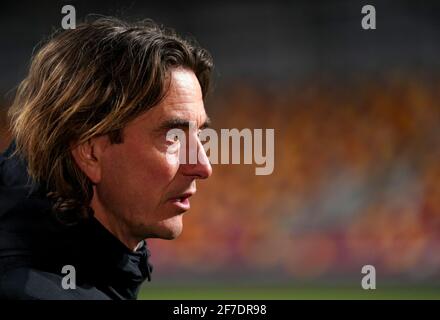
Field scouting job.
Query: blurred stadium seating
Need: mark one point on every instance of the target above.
(355, 182)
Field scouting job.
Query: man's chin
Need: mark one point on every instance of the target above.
(171, 235)
(168, 229)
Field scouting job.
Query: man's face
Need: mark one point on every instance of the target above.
(140, 189)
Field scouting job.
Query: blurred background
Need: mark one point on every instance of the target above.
(357, 145)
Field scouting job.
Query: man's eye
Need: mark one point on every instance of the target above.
(173, 138)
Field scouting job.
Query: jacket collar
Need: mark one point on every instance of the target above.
(28, 229)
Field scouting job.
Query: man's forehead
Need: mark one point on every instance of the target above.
(193, 112)
(167, 112)
(184, 82)
(183, 101)
(183, 122)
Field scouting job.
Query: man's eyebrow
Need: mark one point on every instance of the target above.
(179, 123)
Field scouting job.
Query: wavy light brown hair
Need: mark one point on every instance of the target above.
(87, 82)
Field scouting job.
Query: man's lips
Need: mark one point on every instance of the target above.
(182, 200)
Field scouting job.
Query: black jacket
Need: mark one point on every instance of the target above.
(34, 247)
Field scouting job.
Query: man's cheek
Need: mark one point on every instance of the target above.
(172, 158)
(167, 161)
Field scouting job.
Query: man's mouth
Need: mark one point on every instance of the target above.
(182, 201)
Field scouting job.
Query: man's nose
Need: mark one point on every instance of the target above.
(202, 168)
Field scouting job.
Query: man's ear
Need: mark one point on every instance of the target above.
(88, 157)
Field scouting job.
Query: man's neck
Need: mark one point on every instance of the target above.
(115, 226)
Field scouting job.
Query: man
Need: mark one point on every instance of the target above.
(88, 175)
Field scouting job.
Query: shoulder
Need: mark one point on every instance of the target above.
(25, 283)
